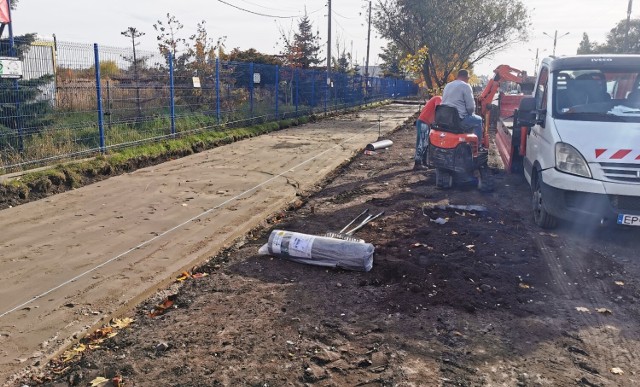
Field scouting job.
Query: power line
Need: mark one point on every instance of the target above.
(263, 7)
(258, 13)
(344, 30)
(344, 17)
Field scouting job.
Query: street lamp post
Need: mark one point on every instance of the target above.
(555, 38)
(535, 68)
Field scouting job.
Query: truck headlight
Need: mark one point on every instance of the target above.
(569, 160)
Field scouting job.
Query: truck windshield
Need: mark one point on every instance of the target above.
(597, 95)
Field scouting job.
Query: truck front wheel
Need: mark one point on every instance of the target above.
(540, 215)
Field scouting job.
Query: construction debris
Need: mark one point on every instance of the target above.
(383, 144)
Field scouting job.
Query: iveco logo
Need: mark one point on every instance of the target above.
(601, 60)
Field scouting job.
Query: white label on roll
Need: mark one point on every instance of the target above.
(300, 245)
(277, 242)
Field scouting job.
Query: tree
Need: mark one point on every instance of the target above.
(456, 33)
(585, 47)
(251, 55)
(108, 69)
(168, 40)
(302, 51)
(391, 57)
(21, 108)
(133, 33)
(199, 61)
(342, 64)
(201, 52)
(615, 40)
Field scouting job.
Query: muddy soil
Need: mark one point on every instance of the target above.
(485, 299)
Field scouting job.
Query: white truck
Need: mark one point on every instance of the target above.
(577, 140)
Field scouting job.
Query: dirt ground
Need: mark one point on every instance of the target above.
(70, 262)
(486, 299)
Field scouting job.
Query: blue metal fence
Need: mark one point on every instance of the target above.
(80, 99)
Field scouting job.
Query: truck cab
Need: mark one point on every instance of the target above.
(582, 155)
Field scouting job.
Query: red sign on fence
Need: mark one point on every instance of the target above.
(4, 12)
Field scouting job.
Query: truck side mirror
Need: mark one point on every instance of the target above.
(541, 117)
(527, 113)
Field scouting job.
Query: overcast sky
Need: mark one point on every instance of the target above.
(93, 21)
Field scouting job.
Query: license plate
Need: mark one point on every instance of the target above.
(629, 220)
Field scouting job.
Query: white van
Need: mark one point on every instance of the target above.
(582, 156)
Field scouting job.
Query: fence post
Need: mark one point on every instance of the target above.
(251, 72)
(297, 80)
(99, 96)
(277, 88)
(218, 89)
(313, 89)
(172, 95)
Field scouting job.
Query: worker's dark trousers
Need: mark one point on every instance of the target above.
(422, 141)
(474, 122)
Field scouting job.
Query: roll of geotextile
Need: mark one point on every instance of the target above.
(319, 250)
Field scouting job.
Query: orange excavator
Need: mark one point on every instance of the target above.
(455, 153)
(502, 116)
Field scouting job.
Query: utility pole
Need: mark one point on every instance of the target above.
(555, 38)
(329, 42)
(366, 68)
(625, 45)
(133, 33)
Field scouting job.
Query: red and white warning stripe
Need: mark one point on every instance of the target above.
(618, 154)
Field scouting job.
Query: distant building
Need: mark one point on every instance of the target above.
(374, 71)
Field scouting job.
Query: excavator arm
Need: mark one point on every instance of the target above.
(502, 73)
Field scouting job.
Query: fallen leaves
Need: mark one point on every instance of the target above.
(121, 323)
(73, 353)
(163, 306)
(103, 382)
(99, 382)
(99, 336)
(90, 342)
(522, 285)
(186, 275)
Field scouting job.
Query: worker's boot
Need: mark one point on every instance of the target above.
(419, 167)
